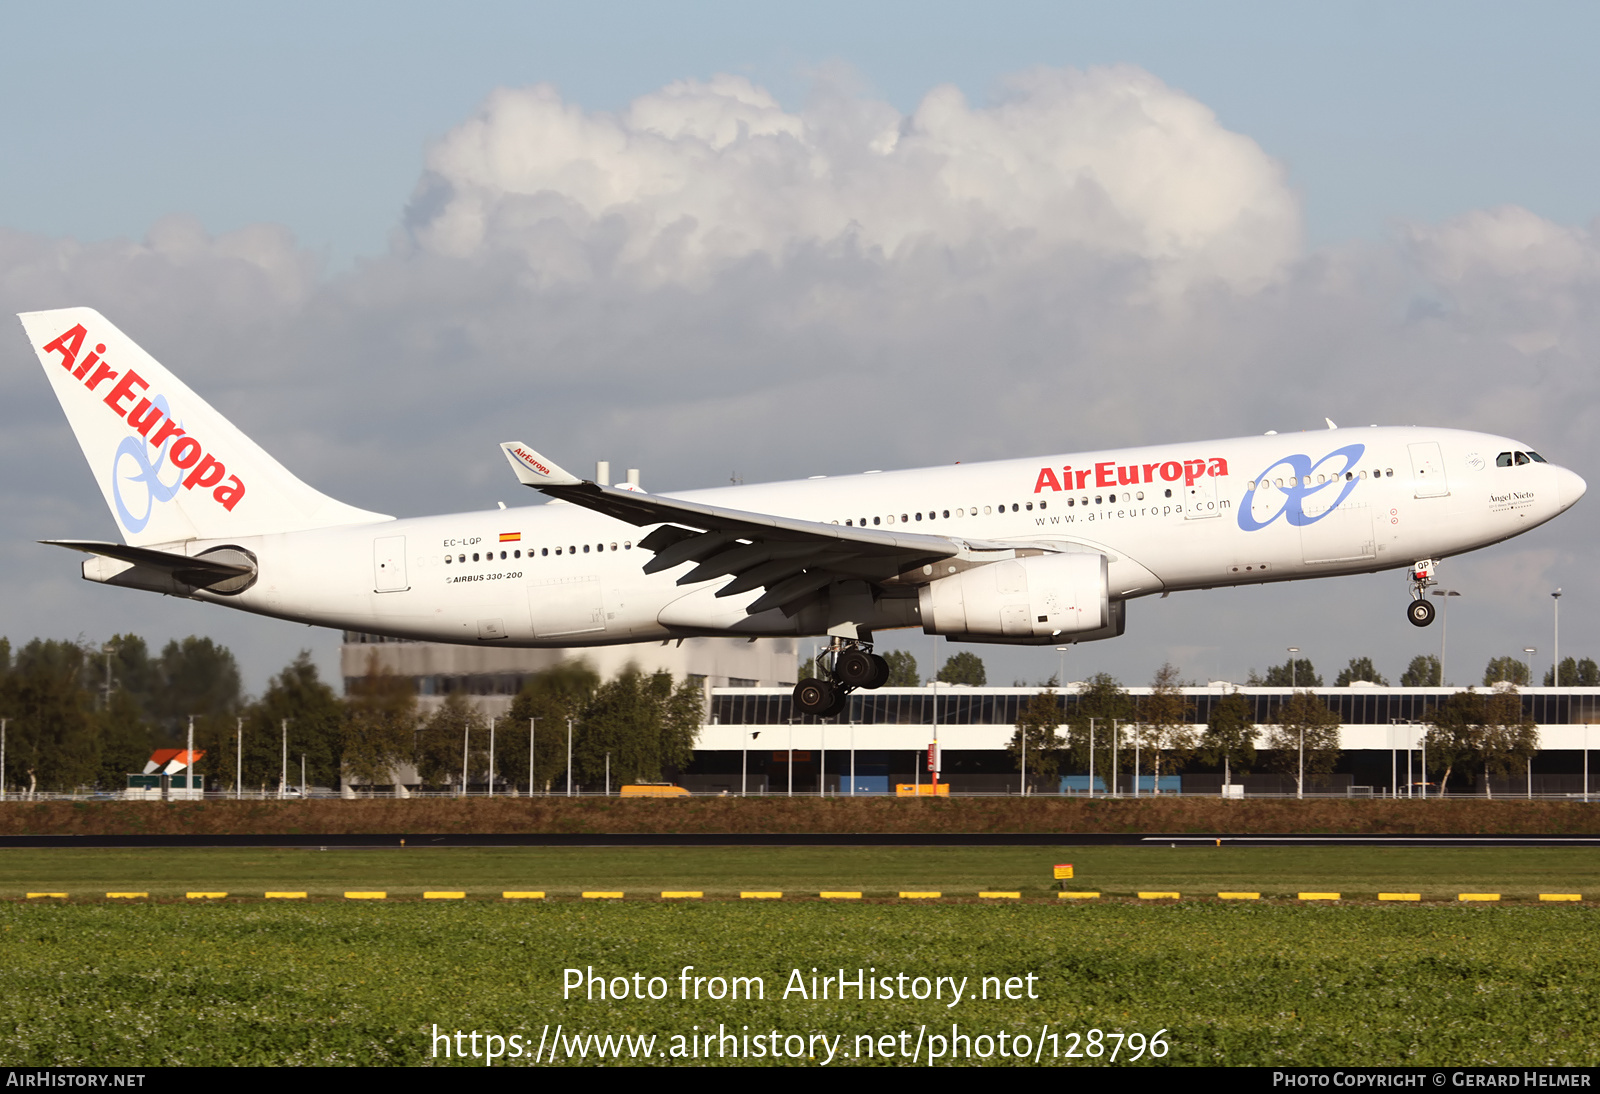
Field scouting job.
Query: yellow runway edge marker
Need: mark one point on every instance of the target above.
(1318, 896)
(760, 896)
(443, 894)
(366, 896)
(920, 896)
(1238, 896)
(128, 896)
(1077, 896)
(1158, 896)
(1555, 896)
(1477, 896)
(686, 894)
(521, 896)
(602, 896)
(1399, 896)
(285, 896)
(1000, 896)
(840, 896)
(205, 896)
(40, 896)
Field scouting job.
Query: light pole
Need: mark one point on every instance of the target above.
(238, 759)
(531, 722)
(569, 755)
(1061, 677)
(1444, 627)
(1555, 674)
(1293, 667)
(491, 755)
(1530, 651)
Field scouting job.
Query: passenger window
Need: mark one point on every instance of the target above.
(890, 518)
(1097, 499)
(474, 556)
(1169, 493)
(1388, 472)
(613, 546)
(558, 551)
(1070, 502)
(904, 518)
(985, 510)
(1140, 497)
(874, 520)
(627, 545)
(1030, 507)
(516, 554)
(546, 551)
(585, 548)
(847, 522)
(448, 560)
(919, 516)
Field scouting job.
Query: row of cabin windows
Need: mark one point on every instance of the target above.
(1507, 459)
(1016, 507)
(1305, 480)
(488, 556)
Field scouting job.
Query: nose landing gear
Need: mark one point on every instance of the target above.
(846, 665)
(1420, 576)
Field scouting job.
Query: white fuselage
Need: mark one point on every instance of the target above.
(1170, 517)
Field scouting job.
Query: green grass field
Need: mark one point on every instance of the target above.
(330, 981)
(340, 983)
(1520, 873)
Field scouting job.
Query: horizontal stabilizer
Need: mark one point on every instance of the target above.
(223, 569)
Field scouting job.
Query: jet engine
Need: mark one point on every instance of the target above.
(1034, 599)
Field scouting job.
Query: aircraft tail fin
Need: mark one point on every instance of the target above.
(170, 466)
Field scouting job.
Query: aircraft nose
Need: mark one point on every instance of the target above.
(1569, 487)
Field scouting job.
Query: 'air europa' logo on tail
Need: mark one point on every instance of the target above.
(151, 418)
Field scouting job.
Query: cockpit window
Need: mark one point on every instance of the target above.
(1522, 458)
(1536, 458)
(1503, 460)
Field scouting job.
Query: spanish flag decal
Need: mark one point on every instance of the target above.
(510, 537)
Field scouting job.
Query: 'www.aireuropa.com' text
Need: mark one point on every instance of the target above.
(920, 1045)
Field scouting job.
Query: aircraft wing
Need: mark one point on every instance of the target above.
(787, 557)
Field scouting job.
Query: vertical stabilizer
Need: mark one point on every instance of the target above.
(171, 468)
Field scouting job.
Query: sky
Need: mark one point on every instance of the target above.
(761, 242)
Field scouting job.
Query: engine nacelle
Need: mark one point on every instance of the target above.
(1023, 599)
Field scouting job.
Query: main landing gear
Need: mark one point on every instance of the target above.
(846, 665)
(1420, 612)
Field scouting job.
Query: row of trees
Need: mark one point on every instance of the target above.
(80, 716)
(1424, 672)
(1471, 732)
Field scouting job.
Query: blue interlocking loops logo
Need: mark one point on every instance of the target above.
(145, 473)
(1301, 470)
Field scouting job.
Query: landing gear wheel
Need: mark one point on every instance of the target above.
(880, 673)
(855, 668)
(813, 696)
(841, 699)
(1420, 613)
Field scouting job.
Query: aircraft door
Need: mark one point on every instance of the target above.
(1200, 499)
(1427, 470)
(389, 565)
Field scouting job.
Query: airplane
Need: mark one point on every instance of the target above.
(1034, 551)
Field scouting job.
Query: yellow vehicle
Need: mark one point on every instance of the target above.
(654, 790)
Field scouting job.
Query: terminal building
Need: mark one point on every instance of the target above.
(754, 741)
(751, 734)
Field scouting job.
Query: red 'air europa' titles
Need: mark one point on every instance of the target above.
(1114, 474)
(186, 453)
